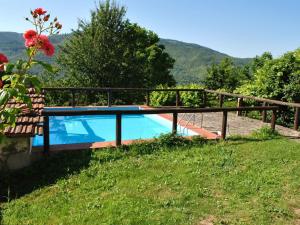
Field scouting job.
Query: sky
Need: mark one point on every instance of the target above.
(240, 28)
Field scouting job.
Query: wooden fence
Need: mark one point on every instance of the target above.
(204, 93)
(174, 111)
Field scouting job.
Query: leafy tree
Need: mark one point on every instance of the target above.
(277, 79)
(259, 61)
(109, 51)
(226, 75)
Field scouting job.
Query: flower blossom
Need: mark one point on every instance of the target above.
(39, 11)
(48, 49)
(29, 34)
(3, 58)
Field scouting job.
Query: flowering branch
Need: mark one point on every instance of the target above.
(14, 78)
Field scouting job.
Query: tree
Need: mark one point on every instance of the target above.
(109, 51)
(277, 79)
(225, 75)
(259, 61)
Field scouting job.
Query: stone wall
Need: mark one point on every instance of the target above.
(15, 154)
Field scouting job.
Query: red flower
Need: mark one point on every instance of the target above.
(3, 58)
(41, 42)
(30, 42)
(1, 84)
(48, 49)
(43, 39)
(1, 68)
(38, 41)
(30, 34)
(39, 11)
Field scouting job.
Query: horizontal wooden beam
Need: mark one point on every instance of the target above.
(84, 89)
(276, 102)
(117, 89)
(74, 112)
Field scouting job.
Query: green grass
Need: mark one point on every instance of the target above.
(241, 181)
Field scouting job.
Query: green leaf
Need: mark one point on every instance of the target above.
(9, 68)
(4, 97)
(29, 51)
(46, 66)
(6, 77)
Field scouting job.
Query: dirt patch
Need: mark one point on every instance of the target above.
(208, 221)
(297, 212)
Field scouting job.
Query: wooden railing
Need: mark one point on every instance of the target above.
(204, 92)
(174, 111)
(110, 91)
(264, 101)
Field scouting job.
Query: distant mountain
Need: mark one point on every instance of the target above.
(191, 59)
(12, 45)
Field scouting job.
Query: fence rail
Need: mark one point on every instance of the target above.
(204, 92)
(174, 111)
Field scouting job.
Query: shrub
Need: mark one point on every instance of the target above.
(265, 133)
(187, 98)
(138, 148)
(277, 79)
(191, 98)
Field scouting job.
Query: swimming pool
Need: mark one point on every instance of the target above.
(102, 128)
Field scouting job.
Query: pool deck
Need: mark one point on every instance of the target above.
(97, 145)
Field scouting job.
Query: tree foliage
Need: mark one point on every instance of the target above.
(109, 51)
(168, 98)
(226, 75)
(276, 78)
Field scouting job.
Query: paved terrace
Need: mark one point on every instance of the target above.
(237, 125)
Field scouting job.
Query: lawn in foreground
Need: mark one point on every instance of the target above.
(234, 182)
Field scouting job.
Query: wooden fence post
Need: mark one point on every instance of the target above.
(109, 98)
(224, 125)
(46, 135)
(148, 98)
(273, 120)
(177, 99)
(296, 119)
(221, 100)
(118, 129)
(200, 99)
(239, 104)
(204, 98)
(73, 98)
(264, 113)
(175, 119)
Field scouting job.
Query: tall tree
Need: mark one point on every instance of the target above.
(225, 75)
(109, 51)
(276, 78)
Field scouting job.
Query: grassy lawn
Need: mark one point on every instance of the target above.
(241, 181)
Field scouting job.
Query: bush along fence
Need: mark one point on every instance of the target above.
(184, 97)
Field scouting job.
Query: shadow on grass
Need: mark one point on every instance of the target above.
(42, 173)
(238, 140)
(62, 165)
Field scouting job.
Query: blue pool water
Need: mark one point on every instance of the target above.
(89, 129)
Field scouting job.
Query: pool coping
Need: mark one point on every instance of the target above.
(97, 145)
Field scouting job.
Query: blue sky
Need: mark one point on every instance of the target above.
(241, 28)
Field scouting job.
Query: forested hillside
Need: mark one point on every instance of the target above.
(191, 59)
